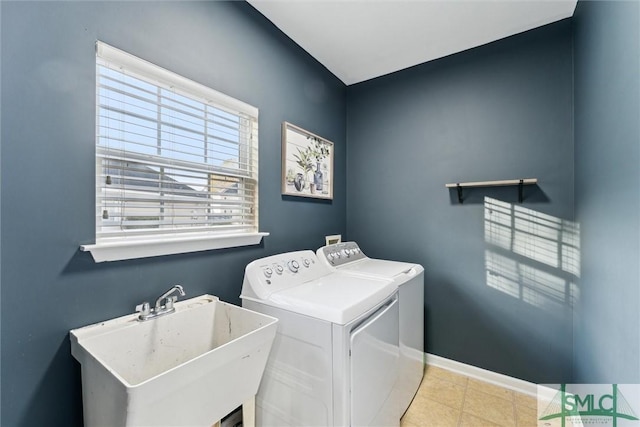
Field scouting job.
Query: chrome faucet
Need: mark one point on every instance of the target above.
(164, 304)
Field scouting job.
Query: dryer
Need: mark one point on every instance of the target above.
(347, 257)
(334, 361)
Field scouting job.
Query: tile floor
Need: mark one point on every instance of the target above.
(447, 399)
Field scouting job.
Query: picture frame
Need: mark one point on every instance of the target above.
(307, 163)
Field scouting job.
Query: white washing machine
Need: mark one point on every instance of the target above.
(347, 257)
(334, 361)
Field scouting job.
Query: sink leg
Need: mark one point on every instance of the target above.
(249, 413)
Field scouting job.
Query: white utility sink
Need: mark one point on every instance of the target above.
(187, 368)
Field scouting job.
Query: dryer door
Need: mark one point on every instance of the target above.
(374, 369)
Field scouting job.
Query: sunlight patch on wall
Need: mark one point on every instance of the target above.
(530, 255)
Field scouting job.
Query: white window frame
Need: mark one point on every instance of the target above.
(139, 244)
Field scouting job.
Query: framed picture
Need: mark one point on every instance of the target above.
(307, 163)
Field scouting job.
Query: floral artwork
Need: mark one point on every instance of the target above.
(307, 163)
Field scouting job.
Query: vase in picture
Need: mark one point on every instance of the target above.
(298, 182)
(325, 185)
(317, 178)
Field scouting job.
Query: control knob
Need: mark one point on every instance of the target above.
(268, 272)
(293, 266)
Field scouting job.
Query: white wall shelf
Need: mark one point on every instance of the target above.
(502, 183)
(132, 248)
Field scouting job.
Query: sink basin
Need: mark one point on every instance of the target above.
(188, 368)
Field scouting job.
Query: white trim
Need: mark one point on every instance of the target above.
(490, 377)
(168, 245)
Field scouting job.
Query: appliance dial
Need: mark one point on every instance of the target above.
(279, 269)
(267, 272)
(306, 262)
(293, 266)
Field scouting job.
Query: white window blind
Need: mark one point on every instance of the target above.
(172, 156)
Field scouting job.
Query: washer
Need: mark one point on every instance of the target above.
(334, 361)
(347, 257)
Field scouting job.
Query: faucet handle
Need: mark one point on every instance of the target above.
(168, 305)
(144, 309)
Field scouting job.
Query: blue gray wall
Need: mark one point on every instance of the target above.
(607, 139)
(504, 110)
(500, 111)
(48, 117)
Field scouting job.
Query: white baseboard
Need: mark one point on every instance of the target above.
(470, 371)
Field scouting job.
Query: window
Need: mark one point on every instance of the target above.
(176, 162)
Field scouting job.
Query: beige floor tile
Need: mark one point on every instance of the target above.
(489, 407)
(526, 400)
(449, 399)
(429, 413)
(405, 423)
(568, 422)
(494, 390)
(445, 392)
(434, 371)
(526, 417)
(558, 423)
(468, 420)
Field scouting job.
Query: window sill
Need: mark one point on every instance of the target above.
(157, 246)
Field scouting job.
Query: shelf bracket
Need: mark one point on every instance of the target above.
(521, 191)
(459, 188)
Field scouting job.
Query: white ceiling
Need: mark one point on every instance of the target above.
(358, 40)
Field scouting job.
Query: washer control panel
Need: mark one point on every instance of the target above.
(342, 253)
(278, 272)
(279, 267)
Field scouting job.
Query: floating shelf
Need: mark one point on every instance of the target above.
(506, 182)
